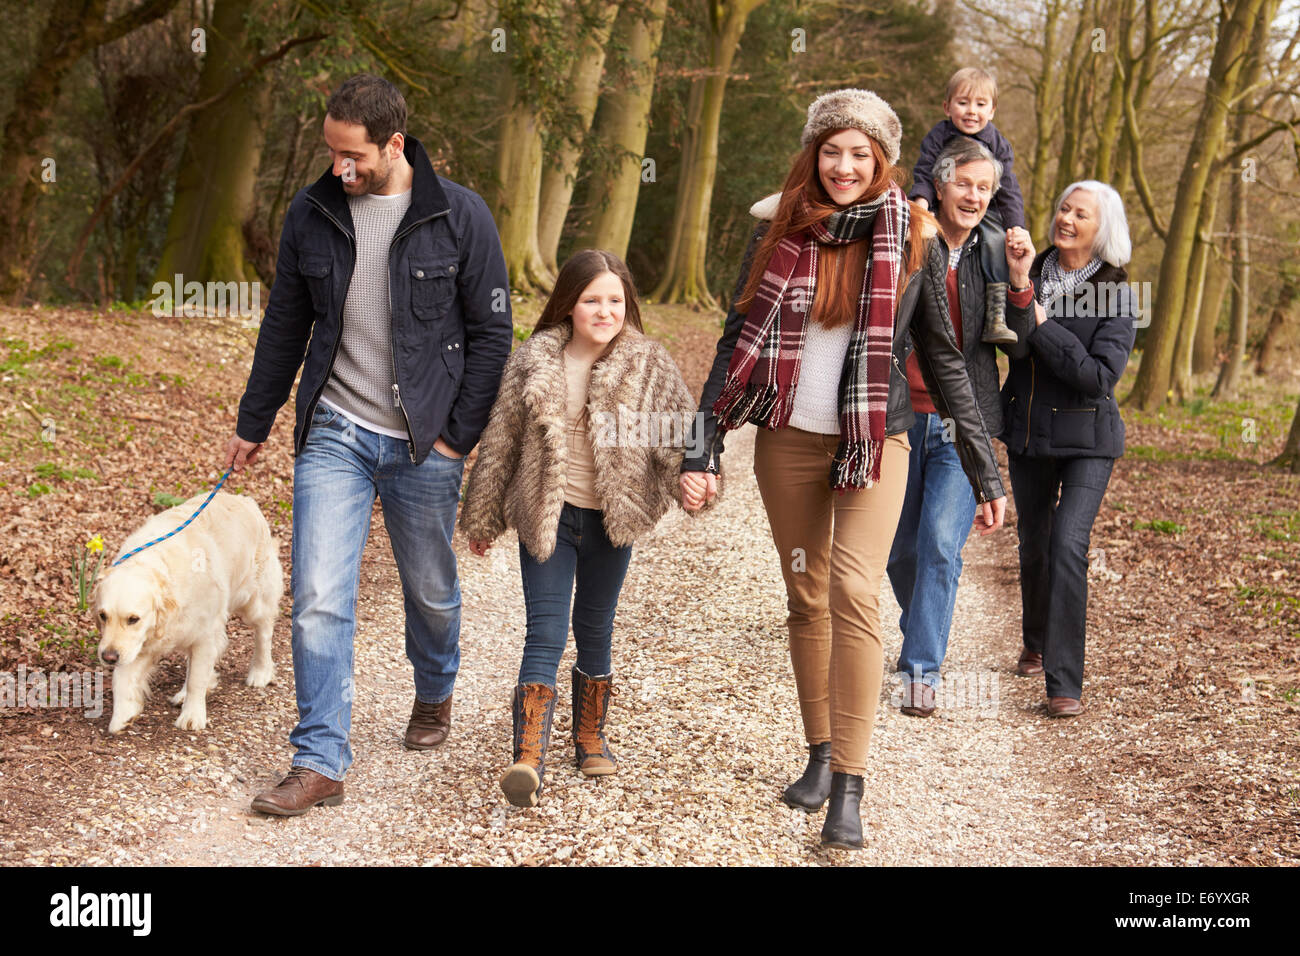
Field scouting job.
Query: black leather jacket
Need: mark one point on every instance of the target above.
(922, 312)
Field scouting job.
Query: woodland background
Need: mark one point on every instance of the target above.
(144, 138)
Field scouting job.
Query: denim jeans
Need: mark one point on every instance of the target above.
(1054, 537)
(335, 480)
(582, 552)
(925, 561)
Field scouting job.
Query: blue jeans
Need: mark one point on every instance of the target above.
(335, 480)
(1057, 500)
(582, 552)
(925, 561)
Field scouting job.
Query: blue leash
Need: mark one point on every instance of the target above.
(148, 544)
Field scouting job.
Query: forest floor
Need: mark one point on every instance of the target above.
(1189, 751)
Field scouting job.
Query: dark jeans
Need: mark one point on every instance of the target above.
(582, 552)
(1054, 538)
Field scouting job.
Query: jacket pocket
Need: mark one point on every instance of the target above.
(433, 287)
(316, 271)
(453, 354)
(1074, 427)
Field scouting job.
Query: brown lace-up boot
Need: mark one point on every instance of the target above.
(590, 708)
(532, 706)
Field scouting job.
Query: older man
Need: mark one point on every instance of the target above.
(925, 561)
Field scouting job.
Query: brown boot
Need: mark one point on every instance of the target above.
(298, 793)
(428, 726)
(532, 707)
(590, 708)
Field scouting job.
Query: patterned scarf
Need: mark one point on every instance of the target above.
(1054, 281)
(764, 367)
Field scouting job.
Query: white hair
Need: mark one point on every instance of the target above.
(1112, 243)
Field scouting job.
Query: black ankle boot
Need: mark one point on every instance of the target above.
(810, 791)
(843, 826)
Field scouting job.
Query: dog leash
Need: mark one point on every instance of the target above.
(148, 544)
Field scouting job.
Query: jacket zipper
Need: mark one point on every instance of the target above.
(311, 410)
(392, 341)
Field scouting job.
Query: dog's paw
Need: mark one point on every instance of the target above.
(119, 724)
(260, 676)
(191, 720)
(178, 698)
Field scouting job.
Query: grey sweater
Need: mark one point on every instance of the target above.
(361, 384)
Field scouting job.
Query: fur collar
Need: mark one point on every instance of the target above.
(615, 372)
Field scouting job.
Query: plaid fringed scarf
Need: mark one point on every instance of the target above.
(765, 365)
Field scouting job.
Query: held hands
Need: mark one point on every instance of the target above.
(698, 488)
(988, 518)
(1020, 255)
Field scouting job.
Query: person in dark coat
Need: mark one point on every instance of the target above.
(969, 105)
(1062, 426)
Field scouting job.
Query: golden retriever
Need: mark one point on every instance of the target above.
(177, 596)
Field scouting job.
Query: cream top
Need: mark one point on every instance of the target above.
(580, 472)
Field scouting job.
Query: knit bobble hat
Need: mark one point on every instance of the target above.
(855, 109)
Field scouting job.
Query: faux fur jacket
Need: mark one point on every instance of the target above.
(519, 478)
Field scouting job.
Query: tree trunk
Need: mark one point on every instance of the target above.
(1229, 374)
(75, 27)
(1182, 376)
(519, 183)
(1290, 456)
(1038, 211)
(1074, 114)
(623, 128)
(1155, 372)
(561, 170)
(1108, 137)
(1216, 282)
(1267, 354)
(214, 194)
(684, 278)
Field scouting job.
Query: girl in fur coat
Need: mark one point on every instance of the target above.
(581, 456)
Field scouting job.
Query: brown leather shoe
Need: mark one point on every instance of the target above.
(428, 725)
(918, 699)
(1063, 707)
(1030, 664)
(298, 793)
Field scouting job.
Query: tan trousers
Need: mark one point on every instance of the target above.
(833, 549)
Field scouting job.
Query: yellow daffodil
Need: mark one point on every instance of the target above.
(95, 544)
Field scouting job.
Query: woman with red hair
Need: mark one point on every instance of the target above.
(813, 352)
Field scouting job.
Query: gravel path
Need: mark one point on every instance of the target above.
(705, 724)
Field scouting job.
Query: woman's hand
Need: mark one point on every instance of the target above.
(1040, 315)
(1020, 255)
(990, 514)
(698, 489)
(480, 547)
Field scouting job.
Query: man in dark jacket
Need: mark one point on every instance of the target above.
(391, 294)
(925, 561)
